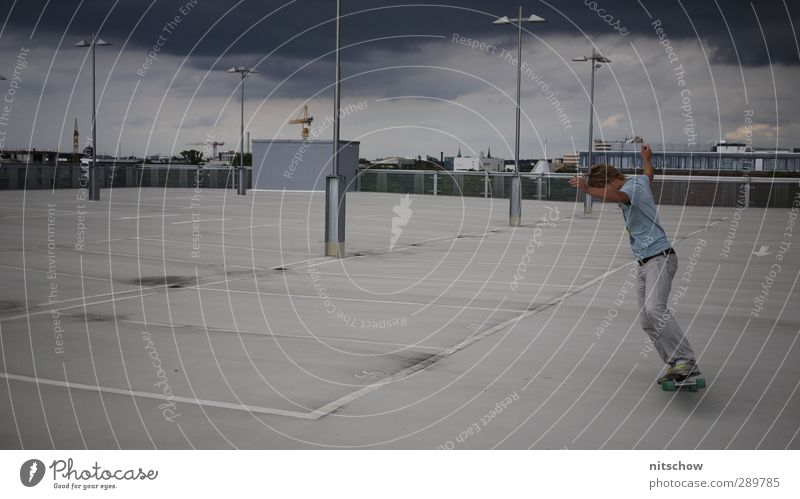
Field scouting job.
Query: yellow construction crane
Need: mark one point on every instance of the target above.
(305, 120)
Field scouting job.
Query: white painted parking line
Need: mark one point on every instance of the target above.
(201, 220)
(49, 310)
(149, 216)
(214, 280)
(295, 296)
(36, 271)
(158, 396)
(105, 240)
(190, 243)
(347, 399)
(439, 279)
(280, 335)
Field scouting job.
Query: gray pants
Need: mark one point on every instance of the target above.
(653, 284)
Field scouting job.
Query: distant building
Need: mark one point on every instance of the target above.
(725, 146)
(722, 157)
(543, 166)
(478, 164)
(227, 156)
(601, 145)
(570, 160)
(481, 163)
(33, 156)
(394, 162)
(525, 165)
(76, 140)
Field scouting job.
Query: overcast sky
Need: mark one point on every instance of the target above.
(710, 70)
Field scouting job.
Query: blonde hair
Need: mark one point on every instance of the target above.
(602, 175)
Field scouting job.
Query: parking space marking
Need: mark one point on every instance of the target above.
(158, 396)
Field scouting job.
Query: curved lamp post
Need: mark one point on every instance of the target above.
(595, 59)
(515, 197)
(94, 183)
(244, 72)
(334, 183)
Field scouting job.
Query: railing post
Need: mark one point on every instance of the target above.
(435, 183)
(335, 216)
(419, 183)
(485, 184)
(458, 184)
(515, 204)
(499, 188)
(539, 187)
(747, 191)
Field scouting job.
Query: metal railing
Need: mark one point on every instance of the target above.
(667, 189)
(69, 176)
(687, 190)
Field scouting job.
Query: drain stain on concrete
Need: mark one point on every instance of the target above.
(171, 281)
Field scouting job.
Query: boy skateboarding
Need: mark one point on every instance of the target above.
(655, 257)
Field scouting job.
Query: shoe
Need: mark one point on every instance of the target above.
(679, 372)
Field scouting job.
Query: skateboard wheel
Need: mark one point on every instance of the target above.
(701, 383)
(668, 386)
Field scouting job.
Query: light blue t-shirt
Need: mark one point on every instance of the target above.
(641, 218)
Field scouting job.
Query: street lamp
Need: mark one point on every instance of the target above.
(244, 72)
(595, 59)
(515, 197)
(94, 183)
(334, 183)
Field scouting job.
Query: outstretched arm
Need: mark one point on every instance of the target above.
(647, 166)
(607, 193)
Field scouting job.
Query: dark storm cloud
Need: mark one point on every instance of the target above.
(729, 29)
(394, 50)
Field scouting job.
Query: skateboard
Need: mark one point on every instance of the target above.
(692, 384)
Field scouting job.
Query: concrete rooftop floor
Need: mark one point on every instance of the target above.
(251, 339)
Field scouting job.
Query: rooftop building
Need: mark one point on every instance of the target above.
(723, 157)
